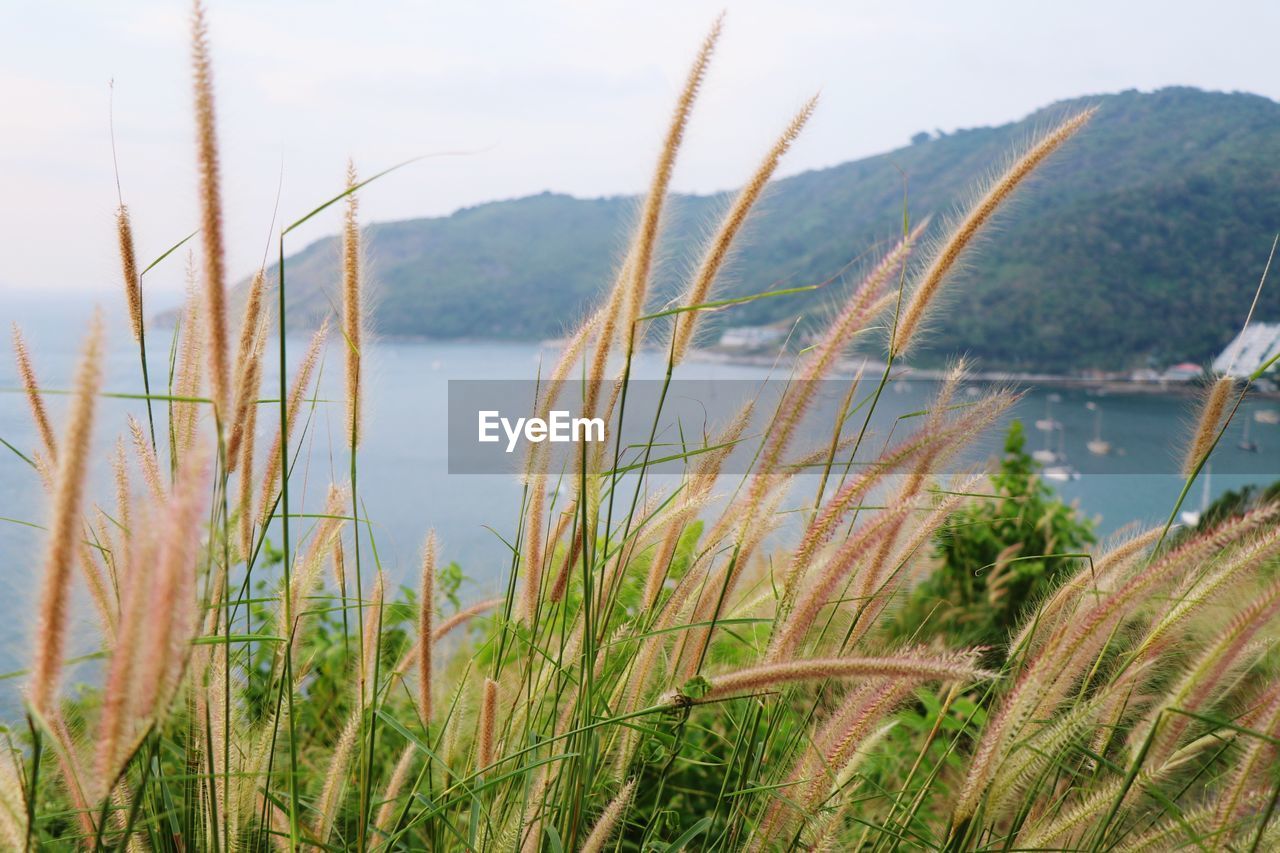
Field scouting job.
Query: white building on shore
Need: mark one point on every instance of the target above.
(752, 337)
(1252, 348)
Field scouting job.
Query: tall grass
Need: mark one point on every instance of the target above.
(666, 670)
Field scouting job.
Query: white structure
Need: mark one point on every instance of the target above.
(752, 337)
(1252, 348)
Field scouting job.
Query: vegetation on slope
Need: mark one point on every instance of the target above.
(1143, 243)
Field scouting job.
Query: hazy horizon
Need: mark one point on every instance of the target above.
(565, 97)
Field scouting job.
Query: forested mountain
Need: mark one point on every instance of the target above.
(1142, 241)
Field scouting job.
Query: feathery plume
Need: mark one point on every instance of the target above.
(69, 767)
(718, 249)
(129, 271)
(536, 466)
(1207, 425)
(247, 433)
(146, 460)
(64, 530)
(399, 775)
(693, 497)
(13, 804)
(1086, 813)
(442, 630)
(834, 744)
(1229, 650)
(310, 565)
(607, 823)
(566, 521)
(120, 691)
(867, 300)
(172, 622)
(215, 297)
(951, 249)
(627, 296)
(847, 497)
(371, 642)
(335, 781)
(795, 624)
(249, 353)
(34, 400)
(250, 329)
(651, 216)
(309, 568)
(532, 590)
(426, 619)
(876, 588)
(922, 664)
(297, 391)
(351, 304)
(97, 586)
(484, 734)
(1259, 754)
(339, 567)
(1056, 607)
(124, 503)
(1050, 674)
(190, 368)
(109, 551)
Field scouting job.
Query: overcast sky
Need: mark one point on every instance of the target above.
(566, 95)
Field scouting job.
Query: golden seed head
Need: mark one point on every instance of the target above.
(214, 284)
(1208, 424)
(352, 314)
(484, 735)
(34, 401)
(978, 215)
(64, 529)
(129, 271)
(426, 630)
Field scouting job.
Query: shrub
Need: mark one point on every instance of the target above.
(997, 557)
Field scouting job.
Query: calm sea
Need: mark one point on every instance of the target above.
(403, 461)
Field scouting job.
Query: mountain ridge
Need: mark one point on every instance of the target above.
(1141, 243)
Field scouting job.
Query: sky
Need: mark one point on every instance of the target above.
(517, 98)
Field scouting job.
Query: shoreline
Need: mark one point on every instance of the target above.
(849, 367)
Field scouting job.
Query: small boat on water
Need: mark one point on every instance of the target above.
(1191, 517)
(1097, 446)
(1059, 470)
(1267, 416)
(1245, 443)
(1047, 423)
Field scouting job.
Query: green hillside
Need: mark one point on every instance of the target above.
(1143, 240)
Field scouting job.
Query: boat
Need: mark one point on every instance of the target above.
(1245, 443)
(1097, 446)
(1061, 473)
(1267, 416)
(1191, 517)
(1045, 455)
(1047, 423)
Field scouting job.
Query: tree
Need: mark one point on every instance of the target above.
(997, 556)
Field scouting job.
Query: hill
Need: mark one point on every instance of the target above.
(1142, 242)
